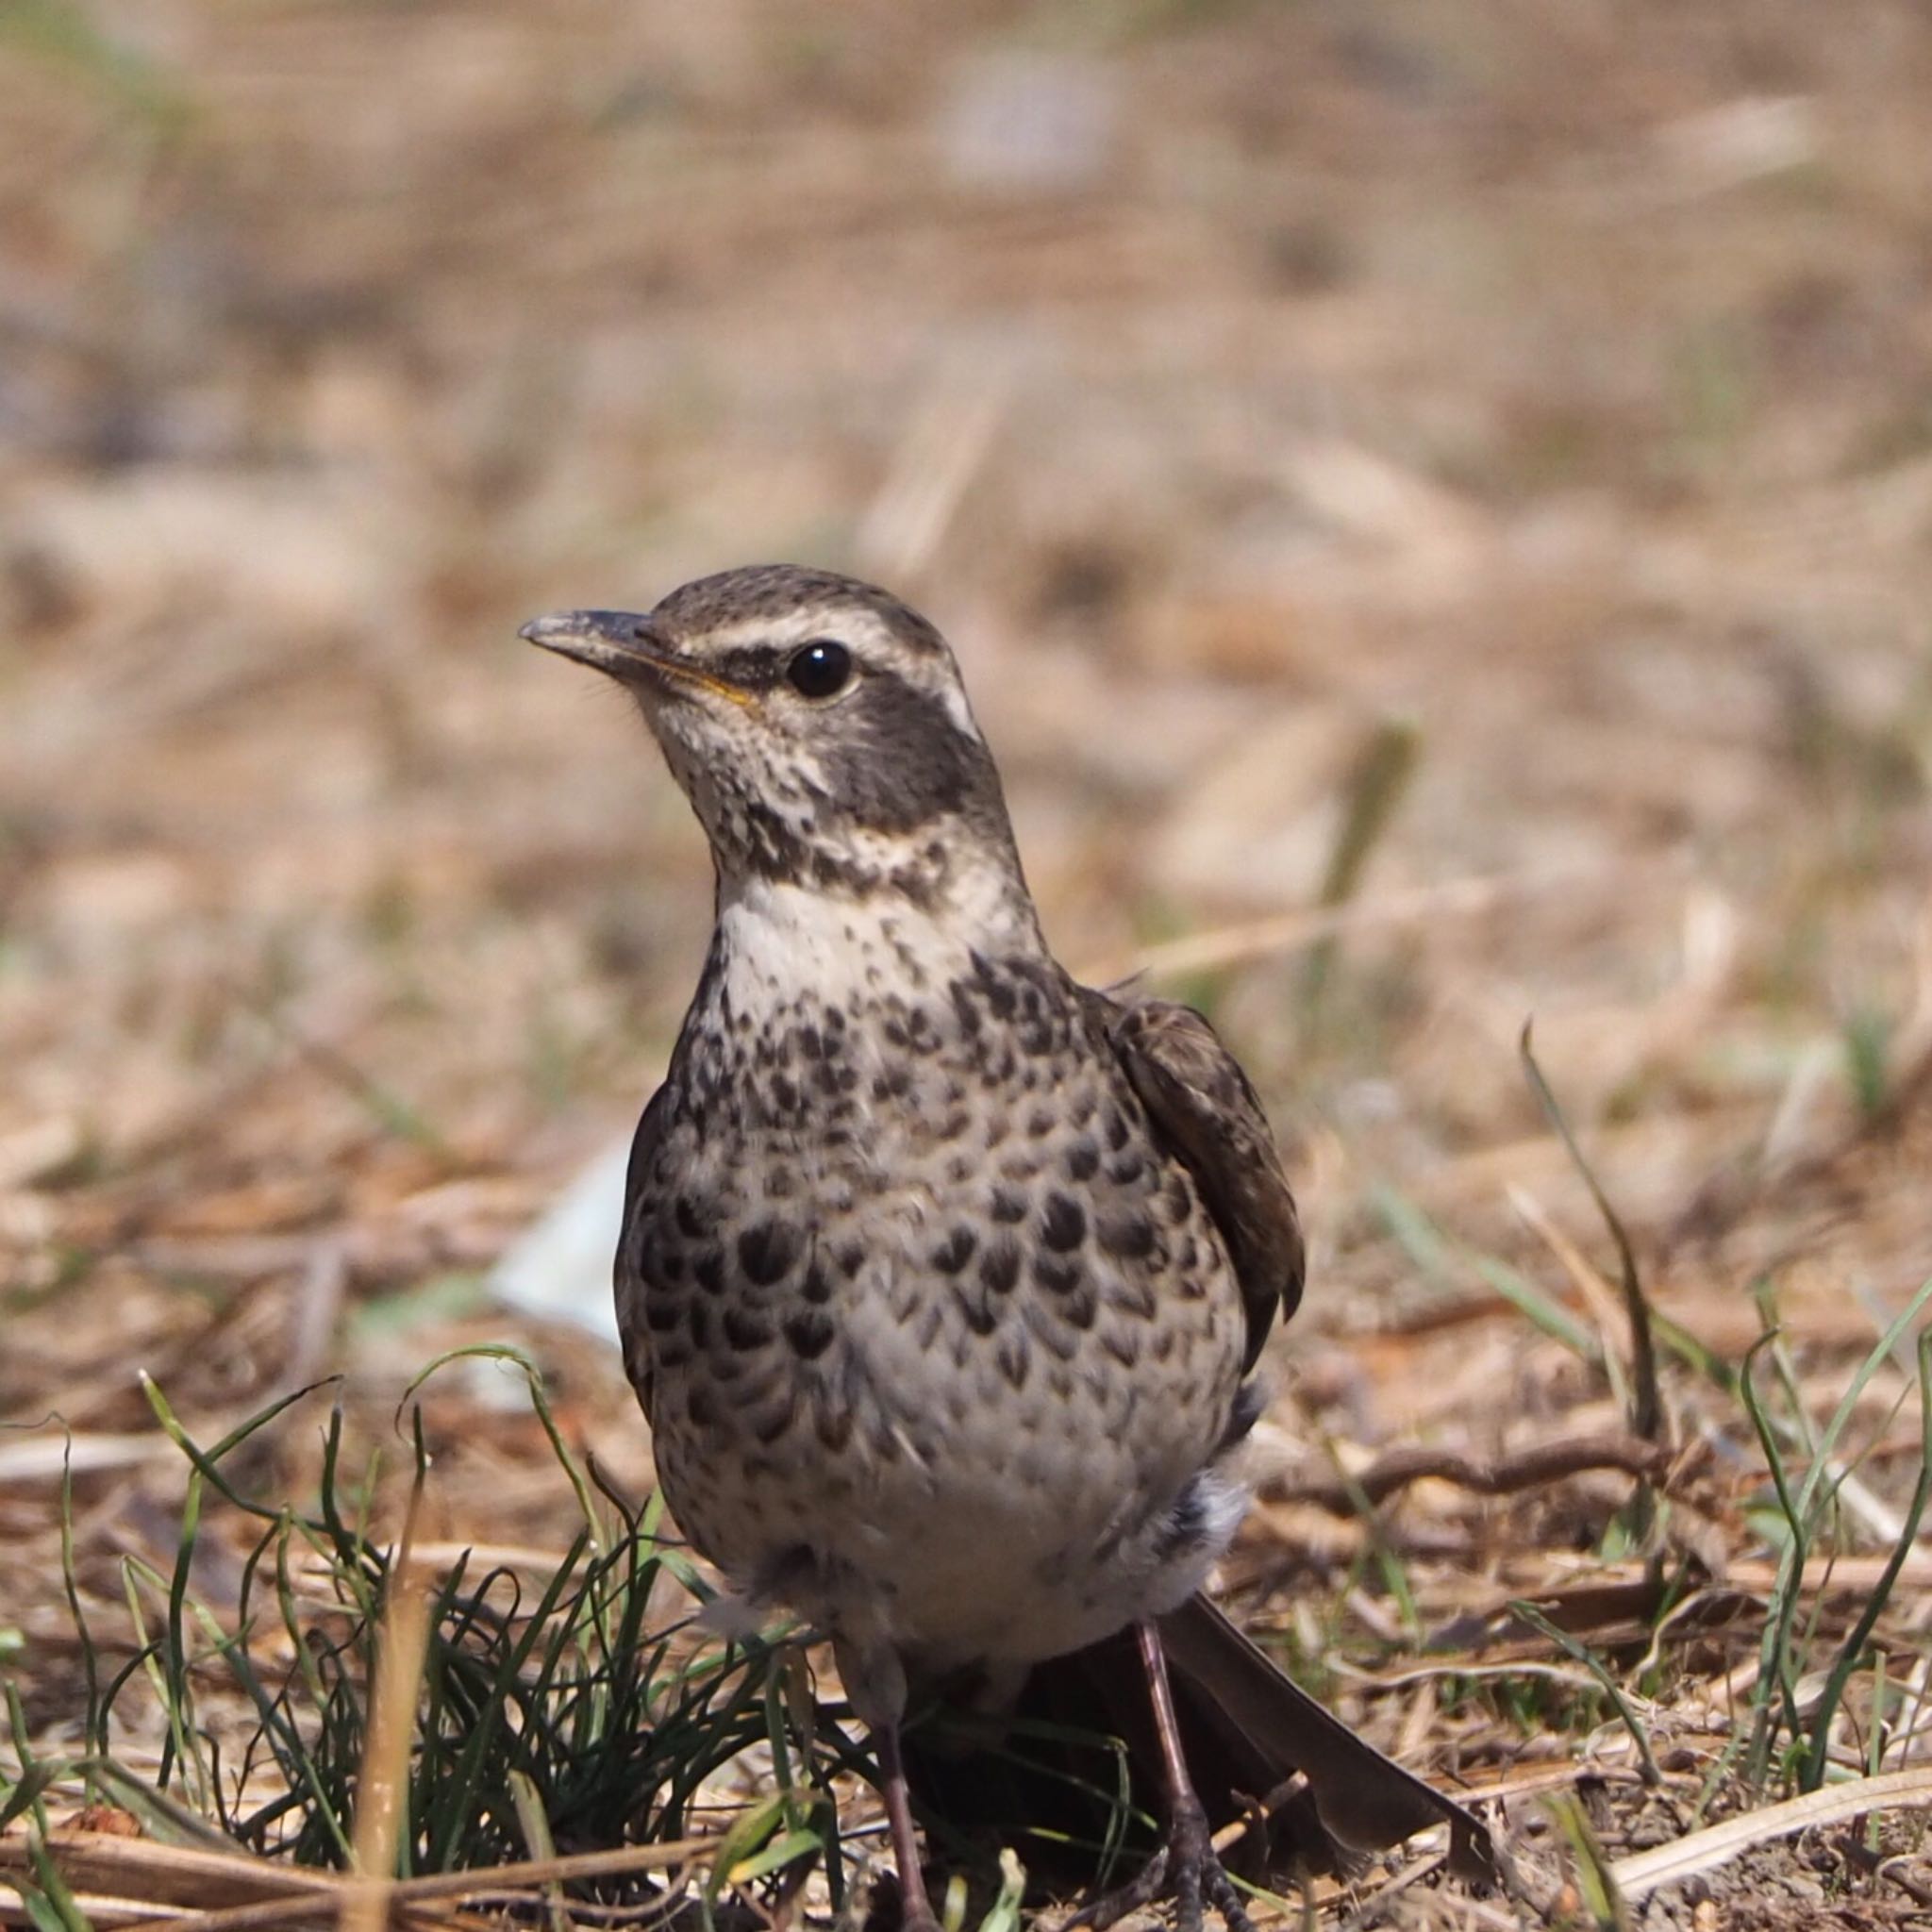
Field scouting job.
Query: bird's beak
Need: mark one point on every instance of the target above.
(624, 647)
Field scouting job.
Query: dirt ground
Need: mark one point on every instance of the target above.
(1435, 508)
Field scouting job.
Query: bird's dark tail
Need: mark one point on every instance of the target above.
(1364, 1801)
(1051, 1783)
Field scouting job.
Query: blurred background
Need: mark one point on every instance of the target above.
(1434, 505)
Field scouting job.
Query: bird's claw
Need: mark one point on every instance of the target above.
(1148, 1884)
(1185, 1870)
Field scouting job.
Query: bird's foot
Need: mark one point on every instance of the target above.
(891, 1908)
(1187, 1869)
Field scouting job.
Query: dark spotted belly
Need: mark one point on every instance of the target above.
(926, 1289)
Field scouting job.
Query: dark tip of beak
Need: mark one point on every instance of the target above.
(564, 628)
(623, 646)
(616, 642)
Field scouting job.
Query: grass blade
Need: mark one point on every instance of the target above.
(1813, 1773)
(1646, 1399)
(1582, 1654)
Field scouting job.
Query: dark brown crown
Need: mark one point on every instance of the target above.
(778, 591)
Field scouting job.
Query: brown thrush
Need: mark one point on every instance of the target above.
(943, 1278)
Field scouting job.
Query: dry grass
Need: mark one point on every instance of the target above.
(1531, 403)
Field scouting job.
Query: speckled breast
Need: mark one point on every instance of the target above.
(913, 1298)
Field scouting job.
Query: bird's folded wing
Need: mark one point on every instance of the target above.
(1204, 1108)
(645, 1148)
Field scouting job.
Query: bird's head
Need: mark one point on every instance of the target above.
(818, 728)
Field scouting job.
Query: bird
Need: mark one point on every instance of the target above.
(944, 1279)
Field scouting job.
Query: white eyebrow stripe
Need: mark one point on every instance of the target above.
(867, 634)
(794, 627)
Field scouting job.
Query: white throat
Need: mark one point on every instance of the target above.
(778, 938)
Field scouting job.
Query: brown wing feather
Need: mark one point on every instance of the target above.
(627, 1270)
(1204, 1107)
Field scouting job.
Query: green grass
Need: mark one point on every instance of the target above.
(576, 1706)
(1784, 1742)
(1807, 1511)
(585, 1709)
(581, 1706)
(1372, 793)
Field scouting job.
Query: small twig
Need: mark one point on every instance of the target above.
(1897, 1871)
(390, 1108)
(160, 1873)
(1526, 1469)
(943, 449)
(1372, 1907)
(382, 1789)
(317, 1305)
(1642, 1873)
(1294, 932)
(582, 1910)
(1725, 1199)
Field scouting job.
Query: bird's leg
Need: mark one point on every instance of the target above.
(1186, 1869)
(915, 1909)
(874, 1674)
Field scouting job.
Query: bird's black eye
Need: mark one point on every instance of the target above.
(820, 670)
